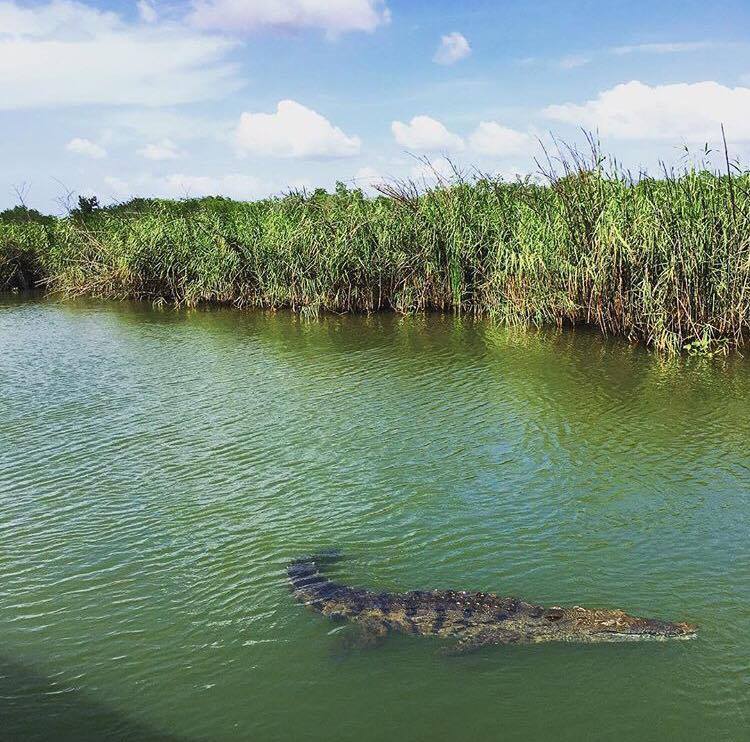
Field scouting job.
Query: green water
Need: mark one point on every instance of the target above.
(158, 469)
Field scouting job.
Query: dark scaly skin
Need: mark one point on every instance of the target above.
(470, 619)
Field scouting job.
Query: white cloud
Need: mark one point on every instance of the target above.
(492, 138)
(182, 185)
(426, 134)
(687, 111)
(86, 147)
(293, 131)
(572, 61)
(664, 48)
(332, 16)
(65, 53)
(166, 149)
(152, 124)
(147, 12)
(63, 17)
(234, 185)
(453, 47)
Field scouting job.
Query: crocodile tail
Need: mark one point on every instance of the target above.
(305, 574)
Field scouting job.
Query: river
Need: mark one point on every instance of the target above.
(160, 468)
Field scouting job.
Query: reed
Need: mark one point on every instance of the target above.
(665, 261)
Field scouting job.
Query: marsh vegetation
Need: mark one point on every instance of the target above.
(665, 260)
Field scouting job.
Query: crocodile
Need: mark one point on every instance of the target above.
(470, 619)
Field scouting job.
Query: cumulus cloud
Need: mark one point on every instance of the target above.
(426, 134)
(293, 131)
(492, 138)
(86, 147)
(453, 47)
(332, 16)
(688, 111)
(66, 53)
(166, 149)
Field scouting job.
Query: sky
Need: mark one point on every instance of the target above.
(250, 98)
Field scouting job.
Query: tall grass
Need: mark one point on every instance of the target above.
(661, 260)
(24, 251)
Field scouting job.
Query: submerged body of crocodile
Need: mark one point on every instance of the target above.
(471, 619)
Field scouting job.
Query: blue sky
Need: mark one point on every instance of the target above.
(251, 97)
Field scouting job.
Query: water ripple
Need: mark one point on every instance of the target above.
(158, 470)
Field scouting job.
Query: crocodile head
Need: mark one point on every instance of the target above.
(586, 625)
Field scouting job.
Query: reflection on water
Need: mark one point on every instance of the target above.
(158, 470)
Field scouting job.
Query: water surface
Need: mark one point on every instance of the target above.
(158, 469)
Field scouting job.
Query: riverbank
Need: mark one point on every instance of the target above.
(662, 261)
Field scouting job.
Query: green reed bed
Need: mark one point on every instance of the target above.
(665, 261)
